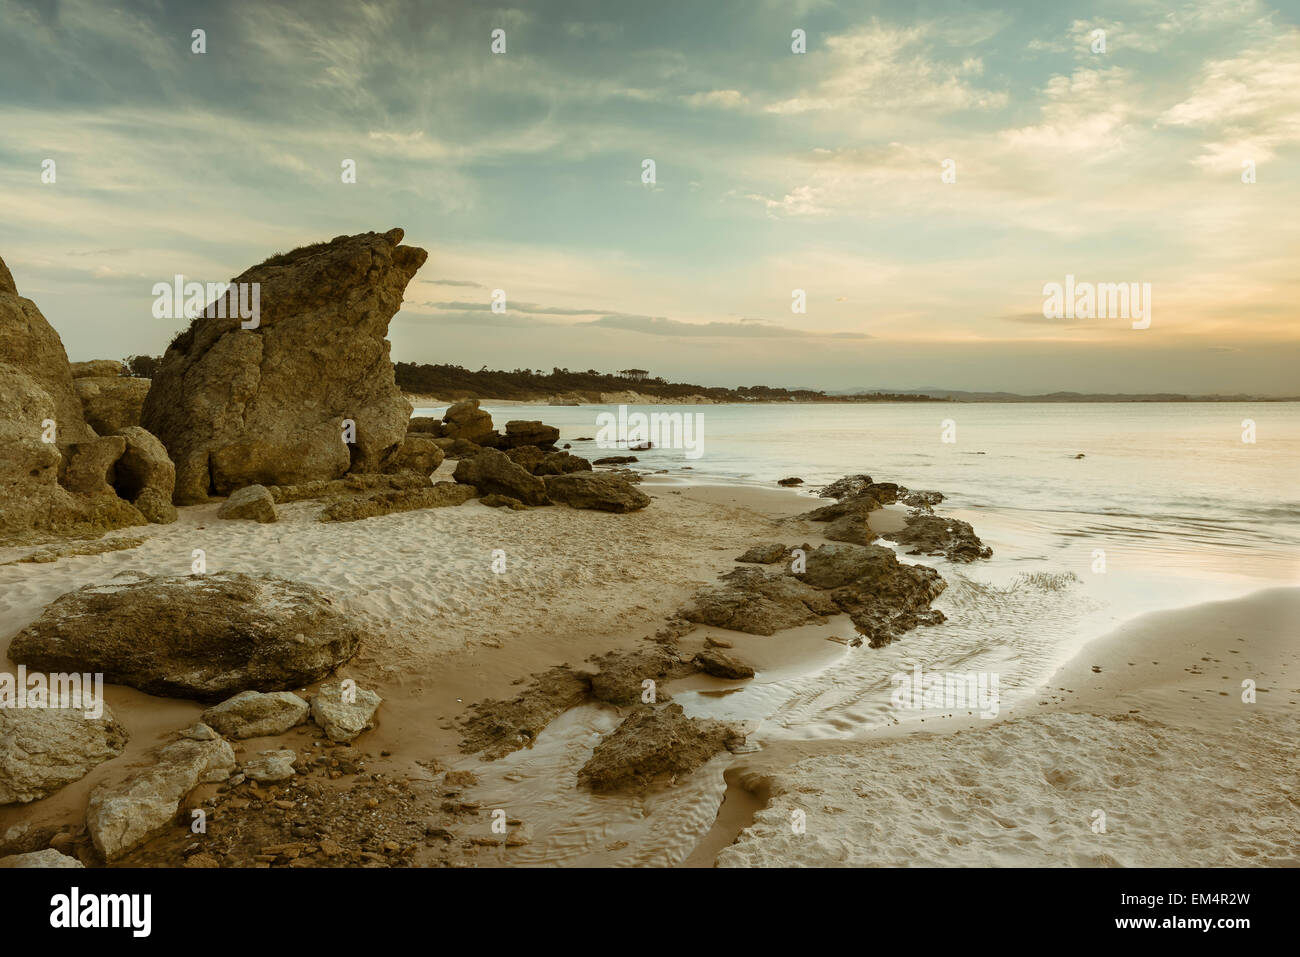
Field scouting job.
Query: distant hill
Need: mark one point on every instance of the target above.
(957, 395)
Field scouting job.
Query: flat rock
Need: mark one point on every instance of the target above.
(202, 636)
(441, 495)
(256, 714)
(46, 858)
(268, 767)
(722, 665)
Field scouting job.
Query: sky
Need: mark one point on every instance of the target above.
(774, 171)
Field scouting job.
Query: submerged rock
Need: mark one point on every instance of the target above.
(933, 535)
(203, 636)
(655, 744)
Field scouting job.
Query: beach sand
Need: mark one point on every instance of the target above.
(1146, 743)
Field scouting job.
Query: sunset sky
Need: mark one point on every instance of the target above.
(775, 171)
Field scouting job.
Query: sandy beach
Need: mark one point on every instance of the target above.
(1142, 739)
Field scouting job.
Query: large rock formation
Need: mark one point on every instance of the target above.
(110, 403)
(268, 405)
(40, 417)
(199, 636)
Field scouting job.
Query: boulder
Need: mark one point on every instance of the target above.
(267, 405)
(254, 714)
(111, 404)
(492, 471)
(425, 425)
(756, 603)
(42, 749)
(520, 432)
(654, 744)
(602, 491)
(417, 453)
(562, 463)
(121, 815)
(88, 467)
(465, 420)
(202, 636)
(527, 457)
(929, 534)
(252, 502)
(144, 467)
(344, 712)
(97, 369)
(616, 460)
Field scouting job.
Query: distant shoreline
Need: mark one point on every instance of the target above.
(421, 400)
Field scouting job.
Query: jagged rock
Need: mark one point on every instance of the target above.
(921, 499)
(602, 491)
(465, 420)
(416, 454)
(722, 665)
(96, 369)
(253, 714)
(933, 535)
(426, 425)
(562, 463)
(767, 554)
(622, 675)
(458, 448)
(202, 636)
(46, 858)
(527, 457)
(111, 404)
(267, 405)
(653, 744)
(499, 727)
(122, 815)
(492, 471)
(520, 432)
(760, 604)
(344, 713)
(441, 495)
(42, 749)
(854, 528)
(790, 482)
(267, 767)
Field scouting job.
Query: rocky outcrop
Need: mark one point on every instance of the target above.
(622, 676)
(111, 404)
(252, 503)
(653, 745)
(122, 815)
(602, 491)
(925, 534)
(269, 405)
(343, 711)
(441, 495)
(496, 728)
(539, 462)
(348, 485)
(767, 554)
(202, 636)
(520, 432)
(492, 471)
(252, 714)
(426, 425)
(42, 749)
(417, 453)
(465, 420)
(883, 596)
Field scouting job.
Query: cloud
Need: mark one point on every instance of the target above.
(661, 326)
